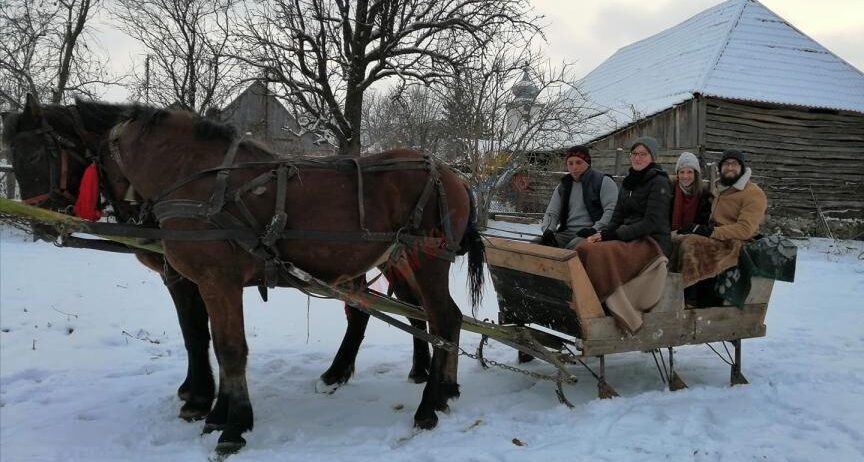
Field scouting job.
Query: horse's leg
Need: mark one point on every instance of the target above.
(430, 281)
(343, 364)
(199, 388)
(421, 359)
(421, 363)
(233, 410)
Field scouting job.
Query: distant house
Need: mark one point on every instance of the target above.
(739, 76)
(258, 114)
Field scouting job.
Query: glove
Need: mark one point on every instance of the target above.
(548, 239)
(704, 230)
(689, 228)
(585, 232)
(609, 235)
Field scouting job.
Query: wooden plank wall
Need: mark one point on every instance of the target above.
(793, 151)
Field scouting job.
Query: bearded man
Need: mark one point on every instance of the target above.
(739, 207)
(737, 212)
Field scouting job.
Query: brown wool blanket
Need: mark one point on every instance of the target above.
(697, 257)
(612, 264)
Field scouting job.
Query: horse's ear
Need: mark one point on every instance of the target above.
(31, 116)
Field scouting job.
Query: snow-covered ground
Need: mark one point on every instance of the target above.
(91, 356)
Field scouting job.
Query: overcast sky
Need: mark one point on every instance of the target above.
(589, 31)
(586, 32)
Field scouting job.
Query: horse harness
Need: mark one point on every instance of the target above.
(61, 149)
(260, 240)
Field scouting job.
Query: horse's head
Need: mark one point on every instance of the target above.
(52, 145)
(48, 157)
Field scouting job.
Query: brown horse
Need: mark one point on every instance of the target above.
(158, 149)
(50, 148)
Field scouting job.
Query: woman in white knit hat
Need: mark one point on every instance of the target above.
(691, 201)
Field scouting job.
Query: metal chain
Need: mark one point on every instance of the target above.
(508, 367)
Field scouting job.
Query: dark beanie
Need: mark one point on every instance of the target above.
(650, 144)
(579, 151)
(733, 154)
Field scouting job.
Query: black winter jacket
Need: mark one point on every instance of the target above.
(643, 207)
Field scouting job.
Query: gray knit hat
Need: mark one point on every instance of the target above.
(688, 159)
(650, 144)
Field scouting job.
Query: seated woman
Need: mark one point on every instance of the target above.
(626, 262)
(691, 203)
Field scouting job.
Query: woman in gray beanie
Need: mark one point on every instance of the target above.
(626, 262)
(691, 203)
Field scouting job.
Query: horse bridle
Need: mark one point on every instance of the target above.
(60, 149)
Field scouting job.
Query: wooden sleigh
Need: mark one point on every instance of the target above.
(548, 287)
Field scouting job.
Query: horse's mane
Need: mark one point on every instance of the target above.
(98, 117)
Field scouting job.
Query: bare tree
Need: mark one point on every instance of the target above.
(186, 42)
(325, 54)
(402, 117)
(494, 131)
(45, 51)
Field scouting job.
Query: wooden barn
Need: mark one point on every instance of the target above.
(259, 115)
(738, 76)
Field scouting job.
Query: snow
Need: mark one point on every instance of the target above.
(738, 49)
(82, 378)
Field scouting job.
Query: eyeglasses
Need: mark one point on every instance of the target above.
(640, 154)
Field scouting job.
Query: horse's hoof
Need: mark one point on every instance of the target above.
(230, 447)
(326, 388)
(337, 377)
(211, 427)
(183, 392)
(418, 377)
(426, 423)
(191, 412)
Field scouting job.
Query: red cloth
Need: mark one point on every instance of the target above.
(684, 207)
(86, 206)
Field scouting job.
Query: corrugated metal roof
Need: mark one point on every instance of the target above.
(738, 49)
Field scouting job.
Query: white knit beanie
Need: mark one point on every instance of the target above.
(688, 159)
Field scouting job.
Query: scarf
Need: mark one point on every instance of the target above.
(685, 206)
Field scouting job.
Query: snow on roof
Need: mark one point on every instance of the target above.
(738, 49)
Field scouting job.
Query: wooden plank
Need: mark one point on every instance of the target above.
(760, 291)
(659, 330)
(752, 110)
(528, 264)
(726, 323)
(527, 248)
(803, 136)
(673, 295)
(585, 302)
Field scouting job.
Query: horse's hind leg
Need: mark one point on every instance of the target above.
(421, 359)
(198, 389)
(343, 364)
(431, 283)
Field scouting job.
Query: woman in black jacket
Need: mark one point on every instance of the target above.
(644, 201)
(626, 262)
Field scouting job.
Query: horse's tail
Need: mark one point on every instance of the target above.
(472, 244)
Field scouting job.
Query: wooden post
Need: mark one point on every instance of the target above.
(619, 155)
